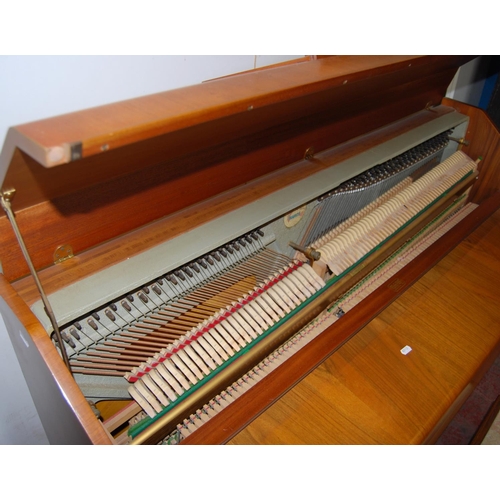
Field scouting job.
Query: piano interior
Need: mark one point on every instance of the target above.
(191, 243)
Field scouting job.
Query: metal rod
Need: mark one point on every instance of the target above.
(460, 141)
(5, 198)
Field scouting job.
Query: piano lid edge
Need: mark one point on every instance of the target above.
(113, 125)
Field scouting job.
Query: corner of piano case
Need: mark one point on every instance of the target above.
(61, 154)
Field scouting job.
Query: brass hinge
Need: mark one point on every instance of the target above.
(62, 253)
(461, 141)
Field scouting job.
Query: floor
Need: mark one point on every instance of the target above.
(467, 421)
(493, 435)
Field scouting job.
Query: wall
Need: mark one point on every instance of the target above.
(469, 82)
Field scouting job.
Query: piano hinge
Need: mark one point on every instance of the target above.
(62, 253)
(8, 195)
(309, 153)
(461, 141)
(5, 201)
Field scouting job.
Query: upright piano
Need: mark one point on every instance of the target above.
(194, 254)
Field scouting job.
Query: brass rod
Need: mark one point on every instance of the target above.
(5, 198)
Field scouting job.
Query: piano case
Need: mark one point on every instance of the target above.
(113, 202)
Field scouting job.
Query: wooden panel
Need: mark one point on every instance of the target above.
(484, 139)
(134, 120)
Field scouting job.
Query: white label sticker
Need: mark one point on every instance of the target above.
(406, 349)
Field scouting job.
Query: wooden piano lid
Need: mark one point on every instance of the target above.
(86, 177)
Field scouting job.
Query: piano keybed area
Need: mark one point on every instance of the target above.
(187, 342)
(175, 343)
(412, 248)
(176, 373)
(116, 338)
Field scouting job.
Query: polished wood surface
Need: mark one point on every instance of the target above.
(369, 393)
(134, 120)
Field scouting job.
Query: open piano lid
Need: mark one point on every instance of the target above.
(87, 177)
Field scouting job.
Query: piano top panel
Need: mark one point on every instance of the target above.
(96, 130)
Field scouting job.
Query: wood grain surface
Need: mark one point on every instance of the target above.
(369, 393)
(137, 119)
